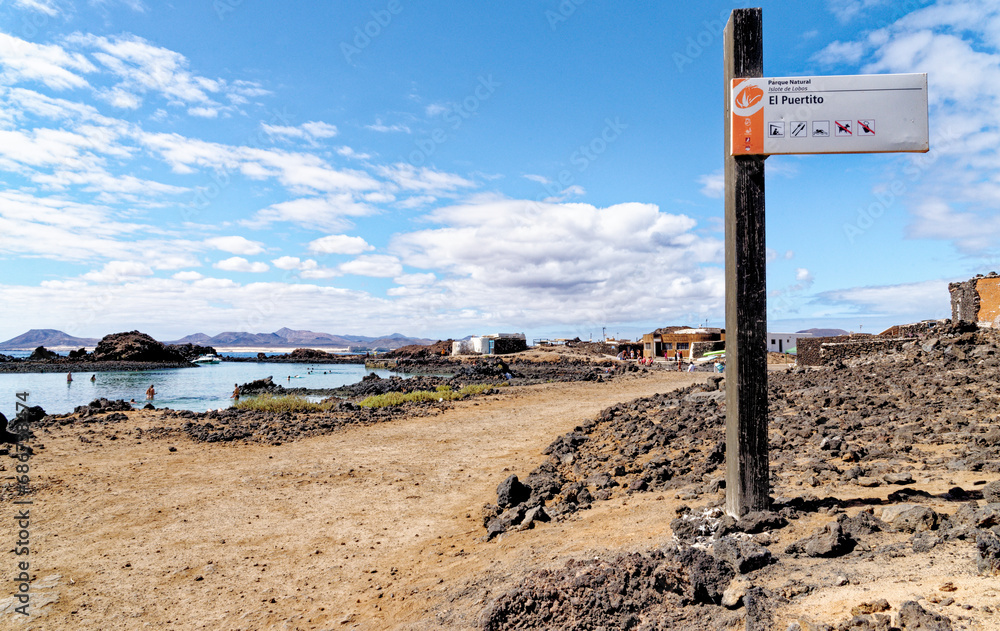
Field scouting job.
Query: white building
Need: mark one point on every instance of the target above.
(495, 343)
(783, 342)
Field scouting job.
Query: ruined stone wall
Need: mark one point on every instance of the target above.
(820, 351)
(964, 301)
(977, 300)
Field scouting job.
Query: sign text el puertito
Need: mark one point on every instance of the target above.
(835, 114)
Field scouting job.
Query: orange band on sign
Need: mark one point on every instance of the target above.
(748, 118)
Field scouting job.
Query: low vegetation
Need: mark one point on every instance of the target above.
(295, 403)
(282, 403)
(441, 393)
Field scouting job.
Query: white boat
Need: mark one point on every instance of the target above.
(211, 358)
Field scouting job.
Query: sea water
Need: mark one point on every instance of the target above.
(200, 388)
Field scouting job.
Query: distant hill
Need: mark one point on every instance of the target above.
(49, 338)
(824, 332)
(284, 337)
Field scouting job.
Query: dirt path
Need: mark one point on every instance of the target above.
(369, 527)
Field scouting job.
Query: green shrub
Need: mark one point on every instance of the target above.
(442, 393)
(284, 403)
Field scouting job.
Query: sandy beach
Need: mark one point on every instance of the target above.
(373, 527)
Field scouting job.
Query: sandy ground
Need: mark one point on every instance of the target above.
(369, 527)
(379, 527)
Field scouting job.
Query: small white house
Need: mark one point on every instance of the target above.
(784, 342)
(495, 343)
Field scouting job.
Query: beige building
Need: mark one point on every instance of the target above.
(690, 343)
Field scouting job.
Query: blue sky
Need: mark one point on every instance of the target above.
(445, 169)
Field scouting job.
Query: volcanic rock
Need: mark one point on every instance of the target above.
(42, 354)
(829, 541)
(988, 552)
(511, 492)
(261, 386)
(913, 617)
(743, 556)
(134, 346)
(910, 517)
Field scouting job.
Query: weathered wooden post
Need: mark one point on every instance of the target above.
(746, 287)
(784, 115)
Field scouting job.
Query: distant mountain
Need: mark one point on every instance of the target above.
(299, 338)
(49, 338)
(197, 338)
(824, 332)
(284, 337)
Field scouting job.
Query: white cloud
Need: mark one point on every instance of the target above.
(377, 265)
(293, 262)
(567, 262)
(309, 131)
(48, 7)
(435, 109)
(840, 52)
(339, 244)
(379, 127)
(236, 245)
(203, 112)
(322, 213)
(347, 152)
(119, 271)
(240, 264)
(423, 179)
(299, 172)
(541, 179)
(909, 301)
(803, 275)
(187, 276)
(951, 193)
(50, 64)
(713, 184)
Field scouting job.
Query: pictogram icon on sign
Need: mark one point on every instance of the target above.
(776, 129)
(799, 129)
(821, 129)
(843, 128)
(866, 126)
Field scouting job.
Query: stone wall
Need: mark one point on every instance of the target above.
(821, 351)
(964, 301)
(505, 345)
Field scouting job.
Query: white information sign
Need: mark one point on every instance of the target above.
(837, 114)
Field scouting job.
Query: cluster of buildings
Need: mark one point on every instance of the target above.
(667, 342)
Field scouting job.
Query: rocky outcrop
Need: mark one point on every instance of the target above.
(42, 354)
(261, 386)
(134, 346)
(190, 351)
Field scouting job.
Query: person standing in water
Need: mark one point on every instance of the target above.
(150, 393)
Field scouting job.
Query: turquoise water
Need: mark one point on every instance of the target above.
(197, 389)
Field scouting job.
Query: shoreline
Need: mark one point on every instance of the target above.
(85, 367)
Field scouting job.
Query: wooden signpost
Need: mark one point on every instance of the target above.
(784, 115)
